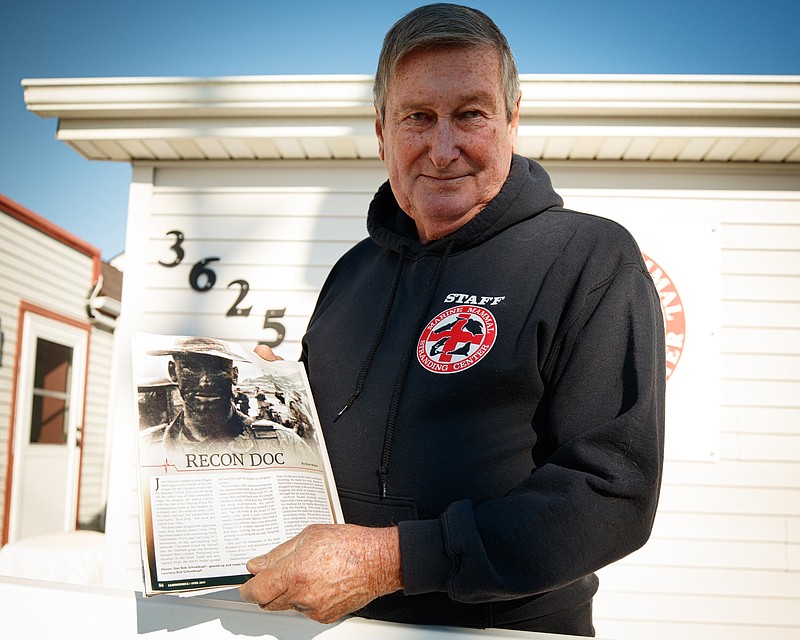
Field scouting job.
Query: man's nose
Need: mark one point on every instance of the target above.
(444, 146)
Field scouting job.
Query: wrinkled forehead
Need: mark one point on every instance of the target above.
(467, 51)
(481, 63)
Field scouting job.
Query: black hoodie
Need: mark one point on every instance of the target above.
(499, 395)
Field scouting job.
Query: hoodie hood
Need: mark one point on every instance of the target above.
(527, 192)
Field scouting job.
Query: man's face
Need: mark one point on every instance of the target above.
(446, 139)
(205, 383)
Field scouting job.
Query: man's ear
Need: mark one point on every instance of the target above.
(173, 371)
(514, 124)
(234, 375)
(379, 133)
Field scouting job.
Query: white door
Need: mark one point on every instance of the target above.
(47, 426)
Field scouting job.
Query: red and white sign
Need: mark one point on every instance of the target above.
(672, 310)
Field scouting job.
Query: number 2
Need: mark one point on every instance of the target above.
(235, 311)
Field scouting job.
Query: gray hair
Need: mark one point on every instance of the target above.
(442, 25)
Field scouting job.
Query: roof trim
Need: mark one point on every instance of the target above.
(626, 117)
(352, 95)
(16, 210)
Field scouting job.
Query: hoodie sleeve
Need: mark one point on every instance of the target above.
(593, 500)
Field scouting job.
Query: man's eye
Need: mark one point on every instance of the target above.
(417, 117)
(469, 115)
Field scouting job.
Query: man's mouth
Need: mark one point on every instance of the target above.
(205, 398)
(444, 179)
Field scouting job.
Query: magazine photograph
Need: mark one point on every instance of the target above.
(231, 460)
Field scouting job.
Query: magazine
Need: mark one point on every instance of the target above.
(231, 460)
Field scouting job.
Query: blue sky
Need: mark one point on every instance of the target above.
(202, 38)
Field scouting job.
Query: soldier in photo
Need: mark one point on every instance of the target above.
(206, 375)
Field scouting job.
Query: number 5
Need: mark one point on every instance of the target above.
(280, 330)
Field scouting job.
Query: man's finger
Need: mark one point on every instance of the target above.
(254, 565)
(265, 352)
(259, 563)
(262, 589)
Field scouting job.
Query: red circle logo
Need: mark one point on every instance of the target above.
(457, 339)
(672, 310)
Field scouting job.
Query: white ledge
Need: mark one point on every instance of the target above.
(35, 609)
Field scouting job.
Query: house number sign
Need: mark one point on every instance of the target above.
(202, 278)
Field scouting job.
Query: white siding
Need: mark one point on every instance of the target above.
(279, 228)
(94, 463)
(39, 270)
(724, 558)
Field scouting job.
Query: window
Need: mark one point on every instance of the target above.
(51, 392)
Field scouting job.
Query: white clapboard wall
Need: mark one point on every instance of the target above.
(724, 550)
(724, 559)
(268, 239)
(96, 445)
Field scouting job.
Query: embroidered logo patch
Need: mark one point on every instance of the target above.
(456, 339)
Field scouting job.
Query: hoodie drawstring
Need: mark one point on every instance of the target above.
(388, 439)
(362, 375)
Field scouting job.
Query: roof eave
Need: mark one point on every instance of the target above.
(331, 116)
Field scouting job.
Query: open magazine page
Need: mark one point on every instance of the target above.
(232, 460)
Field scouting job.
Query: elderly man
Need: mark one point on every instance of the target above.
(488, 366)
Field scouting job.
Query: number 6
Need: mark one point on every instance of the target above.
(199, 270)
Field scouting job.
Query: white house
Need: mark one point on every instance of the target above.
(58, 307)
(245, 190)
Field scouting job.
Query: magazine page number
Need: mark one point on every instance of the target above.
(202, 278)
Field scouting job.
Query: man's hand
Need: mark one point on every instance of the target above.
(326, 571)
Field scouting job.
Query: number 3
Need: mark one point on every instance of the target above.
(177, 248)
